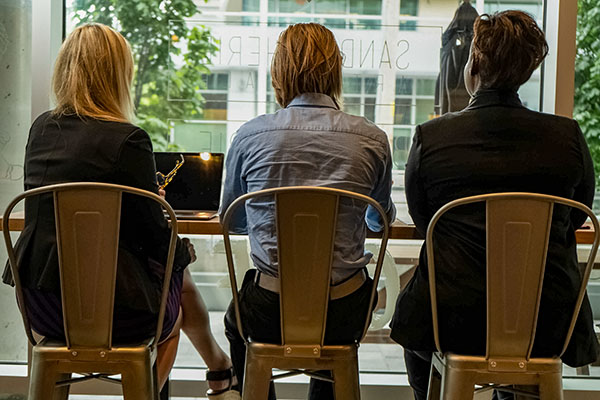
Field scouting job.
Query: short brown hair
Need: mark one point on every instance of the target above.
(306, 60)
(93, 73)
(507, 48)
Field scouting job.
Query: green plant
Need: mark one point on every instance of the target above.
(170, 57)
(587, 77)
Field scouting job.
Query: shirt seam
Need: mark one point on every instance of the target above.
(243, 135)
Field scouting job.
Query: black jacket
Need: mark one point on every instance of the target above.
(71, 149)
(450, 92)
(494, 145)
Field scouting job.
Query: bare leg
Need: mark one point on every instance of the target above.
(196, 326)
(166, 352)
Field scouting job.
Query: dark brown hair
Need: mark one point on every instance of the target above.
(507, 48)
(306, 60)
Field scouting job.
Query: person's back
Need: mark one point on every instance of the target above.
(310, 142)
(74, 149)
(493, 145)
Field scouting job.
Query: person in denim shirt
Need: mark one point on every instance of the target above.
(310, 142)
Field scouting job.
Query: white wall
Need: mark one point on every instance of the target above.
(15, 103)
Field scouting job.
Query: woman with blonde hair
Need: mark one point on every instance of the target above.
(89, 136)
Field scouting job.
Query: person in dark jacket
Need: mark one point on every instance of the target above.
(89, 137)
(450, 92)
(493, 145)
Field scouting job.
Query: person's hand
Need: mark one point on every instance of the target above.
(190, 248)
(162, 193)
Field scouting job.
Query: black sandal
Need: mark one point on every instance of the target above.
(223, 394)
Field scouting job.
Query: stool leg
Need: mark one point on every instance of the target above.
(155, 387)
(257, 378)
(435, 384)
(164, 393)
(42, 380)
(457, 385)
(62, 392)
(551, 386)
(137, 382)
(345, 375)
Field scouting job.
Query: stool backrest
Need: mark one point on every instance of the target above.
(87, 219)
(517, 233)
(306, 220)
(306, 226)
(87, 235)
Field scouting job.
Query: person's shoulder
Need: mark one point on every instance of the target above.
(135, 134)
(363, 126)
(42, 120)
(552, 119)
(43, 117)
(443, 121)
(550, 125)
(119, 127)
(112, 133)
(360, 122)
(88, 124)
(259, 124)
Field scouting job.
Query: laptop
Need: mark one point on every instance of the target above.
(195, 190)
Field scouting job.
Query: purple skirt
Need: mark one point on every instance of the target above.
(44, 311)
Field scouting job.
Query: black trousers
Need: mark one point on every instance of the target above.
(259, 309)
(418, 365)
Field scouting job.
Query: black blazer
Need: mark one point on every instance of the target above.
(450, 91)
(494, 145)
(71, 149)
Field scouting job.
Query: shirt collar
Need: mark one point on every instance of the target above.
(495, 97)
(317, 100)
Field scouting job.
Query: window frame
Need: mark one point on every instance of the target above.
(560, 20)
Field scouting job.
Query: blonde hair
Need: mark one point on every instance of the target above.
(93, 73)
(306, 60)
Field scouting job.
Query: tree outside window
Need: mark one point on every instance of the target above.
(170, 57)
(587, 77)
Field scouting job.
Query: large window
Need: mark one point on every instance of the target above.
(210, 132)
(353, 8)
(533, 7)
(414, 104)
(391, 65)
(203, 70)
(360, 95)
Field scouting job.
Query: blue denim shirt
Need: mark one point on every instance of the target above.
(310, 142)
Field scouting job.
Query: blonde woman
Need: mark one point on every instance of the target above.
(89, 137)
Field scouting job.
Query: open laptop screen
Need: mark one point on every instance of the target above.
(197, 184)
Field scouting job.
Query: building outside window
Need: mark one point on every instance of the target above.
(414, 104)
(360, 95)
(210, 132)
(352, 8)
